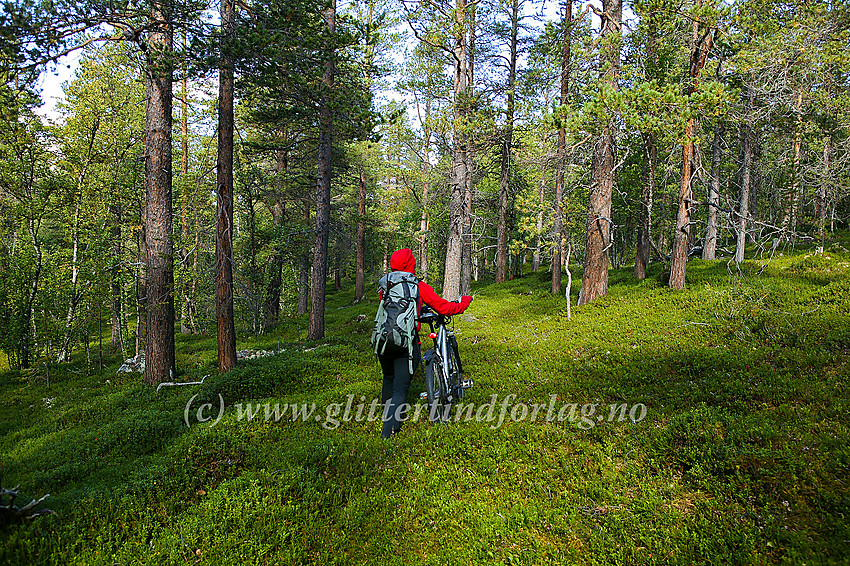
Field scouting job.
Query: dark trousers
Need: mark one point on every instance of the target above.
(396, 368)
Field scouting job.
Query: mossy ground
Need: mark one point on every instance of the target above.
(742, 457)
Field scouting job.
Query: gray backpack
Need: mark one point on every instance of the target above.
(395, 323)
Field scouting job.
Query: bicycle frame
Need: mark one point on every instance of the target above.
(441, 348)
(444, 340)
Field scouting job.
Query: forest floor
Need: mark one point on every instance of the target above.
(732, 447)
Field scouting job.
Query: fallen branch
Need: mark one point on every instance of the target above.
(10, 512)
(172, 383)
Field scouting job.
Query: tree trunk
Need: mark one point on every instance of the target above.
(323, 192)
(507, 150)
(271, 306)
(271, 309)
(594, 282)
(821, 204)
(648, 190)
(834, 200)
(193, 292)
(535, 260)
(65, 350)
(569, 279)
(755, 182)
(337, 267)
(385, 257)
(187, 308)
(681, 237)
(426, 185)
(789, 219)
(360, 261)
(644, 236)
(254, 298)
(821, 200)
(502, 225)
(558, 220)
(27, 311)
(664, 222)
(709, 246)
(700, 47)
(466, 263)
(466, 257)
(159, 341)
(746, 174)
(460, 173)
(454, 243)
(225, 325)
(141, 284)
(304, 268)
(115, 302)
(466, 281)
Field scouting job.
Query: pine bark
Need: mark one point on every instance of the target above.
(225, 325)
(598, 236)
(460, 166)
(159, 306)
(701, 42)
(681, 236)
(323, 193)
(466, 256)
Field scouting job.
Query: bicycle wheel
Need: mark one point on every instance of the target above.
(455, 370)
(435, 387)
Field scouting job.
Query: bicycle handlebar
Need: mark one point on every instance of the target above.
(430, 318)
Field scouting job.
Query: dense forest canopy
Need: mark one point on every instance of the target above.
(491, 137)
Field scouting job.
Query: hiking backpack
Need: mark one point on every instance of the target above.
(395, 323)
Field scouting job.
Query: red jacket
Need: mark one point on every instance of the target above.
(403, 260)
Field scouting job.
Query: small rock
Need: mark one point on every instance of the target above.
(255, 354)
(136, 364)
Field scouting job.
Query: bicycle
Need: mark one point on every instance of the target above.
(444, 382)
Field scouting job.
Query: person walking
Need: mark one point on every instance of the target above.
(398, 363)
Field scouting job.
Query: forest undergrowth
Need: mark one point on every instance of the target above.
(704, 426)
